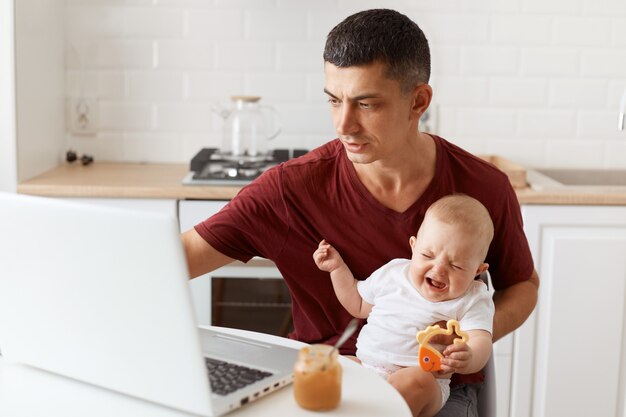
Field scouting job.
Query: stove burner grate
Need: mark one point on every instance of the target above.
(209, 167)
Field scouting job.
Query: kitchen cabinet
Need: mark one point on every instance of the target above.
(32, 93)
(192, 212)
(152, 205)
(569, 358)
(503, 362)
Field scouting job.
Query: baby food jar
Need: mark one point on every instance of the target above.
(317, 378)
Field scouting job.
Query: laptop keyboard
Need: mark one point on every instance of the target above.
(226, 377)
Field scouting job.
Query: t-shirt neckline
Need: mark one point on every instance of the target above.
(430, 189)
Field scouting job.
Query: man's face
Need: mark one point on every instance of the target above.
(374, 120)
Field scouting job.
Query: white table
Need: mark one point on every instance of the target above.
(29, 392)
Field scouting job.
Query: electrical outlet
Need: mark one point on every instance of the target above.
(430, 119)
(84, 115)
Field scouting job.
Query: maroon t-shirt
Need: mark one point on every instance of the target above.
(288, 210)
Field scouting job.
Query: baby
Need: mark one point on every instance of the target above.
(404, 296)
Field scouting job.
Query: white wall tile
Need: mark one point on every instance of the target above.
(354, 6)
(81, 54)
(105, 146)
(274, 86)
(490, 60)
(245, 56)
(102, 84)
(518, 92)
(550, 61)
(578, 92)
(599, 124)
(121, 116)
(164, 147)
(617, 87)
(619, 31)
(446, 59)
(184, 54)
(575, 154)
(604, 7)
(616, 154)
(314, 141)
(492, 6)
(537, 81)
(155, 85)
(546, 123)
(297, 4)
(315, 82)
(84, 21)
(149, 22)
(447, 125)
(184, 117)
(456, 28)
(122, 54)
(523, 29)
(313, 118)
(488, 122)
(210, 85)
(303, 56)
(553, 6)
(284, 25)
(460, 90)
(435, 6)
(215, 24)
(471, 143)
(604, 63)
(526, 152)
(582, 31)
(319, 23)
(247, 4)
(293, 141)
(180, 3)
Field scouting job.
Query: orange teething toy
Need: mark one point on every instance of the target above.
(429, 357)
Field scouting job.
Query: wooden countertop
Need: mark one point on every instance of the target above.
(133, 180)
(122, 180)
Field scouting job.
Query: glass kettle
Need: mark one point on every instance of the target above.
(247, 129)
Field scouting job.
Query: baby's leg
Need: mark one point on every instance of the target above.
(419, 389)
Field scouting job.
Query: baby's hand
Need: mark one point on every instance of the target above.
(456, 357)
(326, 257)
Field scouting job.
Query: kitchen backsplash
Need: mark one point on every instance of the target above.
(538, 81)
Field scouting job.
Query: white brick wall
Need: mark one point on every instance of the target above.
(538, 81)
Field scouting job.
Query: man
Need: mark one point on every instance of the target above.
(367, 191)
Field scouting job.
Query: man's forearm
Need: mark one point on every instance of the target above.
(514, 305)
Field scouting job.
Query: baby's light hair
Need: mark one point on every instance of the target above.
(468, 214)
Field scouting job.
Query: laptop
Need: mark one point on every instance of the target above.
(101, 295)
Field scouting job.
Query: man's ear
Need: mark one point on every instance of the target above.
(422, 96)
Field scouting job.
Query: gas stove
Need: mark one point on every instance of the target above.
(209, 167)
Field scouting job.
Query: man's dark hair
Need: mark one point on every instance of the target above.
(381, 35)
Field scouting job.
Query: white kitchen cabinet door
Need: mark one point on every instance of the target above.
(503, 360)
(570, 356)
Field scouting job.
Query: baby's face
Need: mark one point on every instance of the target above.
(445, 261)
